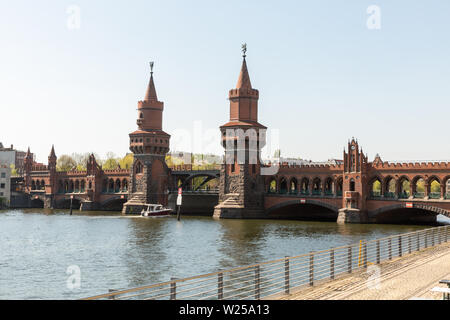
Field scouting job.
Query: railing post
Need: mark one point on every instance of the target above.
(257, 283)
(220, 286)
(409, 243)
(418, 241)
(332, 264)
(432, 237)
(378, 251)
(349, 259)
(173, 289)
(400, 246)
(311, 269)
(390, 248)
(286, 275)
(365, 254)
(446, 233)
(439, 235)
(426, 239)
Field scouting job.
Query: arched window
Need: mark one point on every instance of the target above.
(404, 188)
(111, 186)
(42, 185)
(390, 186)
(293, 186)
(66, 186)
(77, 186)
(272, 186)
(283, 186)
(447, 189)
(124, 185)
(317, 186)
(339, 187)
(329, 186)
(138, 167)
(304, 186)
(117, 186)
(33, 185)
(375, 188)
(352, 185)
(435, 188)
(141, 115)
(82, 186)
(419, 188)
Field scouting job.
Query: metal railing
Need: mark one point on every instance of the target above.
(275, 278)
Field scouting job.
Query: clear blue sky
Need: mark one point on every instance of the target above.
(323, 76)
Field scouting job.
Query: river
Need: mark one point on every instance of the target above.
(37, 246)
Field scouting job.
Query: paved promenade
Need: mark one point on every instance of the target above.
(409, 277)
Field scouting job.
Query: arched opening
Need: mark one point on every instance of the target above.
(390, 186)
(272, 186)
(294, 210)
(77, 186)
(38, 185)
(82, 186)
(283, 186)
(117, 186)
(293, 186)
(401, 215)
(33, 185)
(418, 187)
(352, 185)
(447, 189)
(316, 190)
(42, 185)
(71, 186)
(124, 185)
(138, 167)
(90, 185)
(37, 203)
(114, 204)
(375, 188)
(339, 187)
(66, 186)
(65, 204)
(434, 186)
(404, 188)
(304, 186)
(328, 187)
(111, 186)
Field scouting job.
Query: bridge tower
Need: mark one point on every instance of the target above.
(354, 185)
(241, 187)
(149, 144)
(52, 187)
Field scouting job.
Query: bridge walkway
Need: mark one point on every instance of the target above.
(408, 277)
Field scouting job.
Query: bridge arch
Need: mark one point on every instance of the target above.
(400, 213)
(316, 185)
(404, 187)
(272, 185)
(293, 185)
(309, 209)
(304, 185)
(186, 183)
(328, 186)
(114, 203)
(390, 187)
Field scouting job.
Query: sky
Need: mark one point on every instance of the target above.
(72, 72)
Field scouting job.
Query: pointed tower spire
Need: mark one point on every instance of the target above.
(150, 95)
(244, 78)
(52, 152)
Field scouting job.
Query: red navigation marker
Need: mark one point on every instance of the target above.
(302, 200)
(122, 196)
(409, 205)
(71, 197)
(180, 191)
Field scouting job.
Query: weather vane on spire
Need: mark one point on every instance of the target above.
(151, 67)
(244, 49)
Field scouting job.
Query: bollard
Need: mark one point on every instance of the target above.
(286, 275)
(220, 286)
(257, 283)
(311, 269)
(332, 264)
(173, 289)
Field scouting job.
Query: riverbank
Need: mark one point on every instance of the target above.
(408, 277)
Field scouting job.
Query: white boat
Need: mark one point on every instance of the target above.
(155, 210)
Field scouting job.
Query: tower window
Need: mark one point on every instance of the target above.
(352, 185)
(141, 115)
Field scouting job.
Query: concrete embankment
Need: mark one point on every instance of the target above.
(408, 277)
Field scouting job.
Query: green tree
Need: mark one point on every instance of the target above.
(111, 162)
(65, 163)
(13, 170)
(127, 161)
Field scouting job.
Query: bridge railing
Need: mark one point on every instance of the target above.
(276, 278)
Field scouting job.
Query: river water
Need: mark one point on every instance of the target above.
(37, 247)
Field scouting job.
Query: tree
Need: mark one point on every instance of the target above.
(81, 160)
(13, 170)
(127, 161)
(65, 163)
(111, 162)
